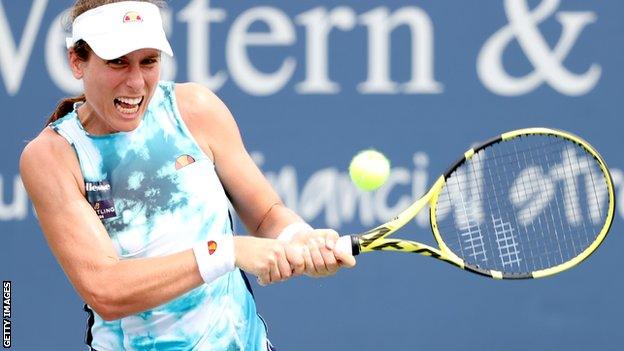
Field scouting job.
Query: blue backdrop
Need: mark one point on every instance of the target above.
(310, 84)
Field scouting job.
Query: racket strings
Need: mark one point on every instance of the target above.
(497, 161)
(523, 205)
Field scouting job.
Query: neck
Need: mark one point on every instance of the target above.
(91, 121)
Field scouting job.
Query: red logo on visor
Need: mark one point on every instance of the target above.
(132, 16)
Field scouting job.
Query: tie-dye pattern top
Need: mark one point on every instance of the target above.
(157, 193)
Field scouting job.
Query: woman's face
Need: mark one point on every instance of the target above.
(117, 91)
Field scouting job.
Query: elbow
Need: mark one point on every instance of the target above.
(106, 303)
(105, 293)
(106, 313)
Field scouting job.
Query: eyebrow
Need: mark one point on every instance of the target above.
(147, 57)
(151, 56)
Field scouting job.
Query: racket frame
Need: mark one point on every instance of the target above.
(376, 238)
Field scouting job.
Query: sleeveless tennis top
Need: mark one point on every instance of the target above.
(157, 193)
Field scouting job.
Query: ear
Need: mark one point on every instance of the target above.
(75, 64)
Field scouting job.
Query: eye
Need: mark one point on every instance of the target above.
(115, 62)
(150, 61)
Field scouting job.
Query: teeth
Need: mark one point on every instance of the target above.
(130, 101)
(127, 110)
(134, 102)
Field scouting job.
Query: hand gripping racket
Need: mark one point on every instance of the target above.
(527, 204)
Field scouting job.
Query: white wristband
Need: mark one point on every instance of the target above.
(287, 233)
(215, 257)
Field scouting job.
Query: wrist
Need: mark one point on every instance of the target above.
(215, 257)
(293, 229)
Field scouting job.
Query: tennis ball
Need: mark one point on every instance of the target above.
(369, 169)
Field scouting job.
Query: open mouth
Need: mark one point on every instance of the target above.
(128, 105)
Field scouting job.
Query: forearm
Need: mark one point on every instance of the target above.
(130, 286)
(275, 220)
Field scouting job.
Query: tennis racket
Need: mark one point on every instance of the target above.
(526, 204)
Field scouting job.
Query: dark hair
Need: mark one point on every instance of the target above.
(83, 50)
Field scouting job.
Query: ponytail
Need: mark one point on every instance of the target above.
(64, 107)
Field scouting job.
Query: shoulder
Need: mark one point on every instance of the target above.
(207, 118)
(48, 158)
(47, 145)
(198, 103)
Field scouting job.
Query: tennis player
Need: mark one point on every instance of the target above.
(131, 182)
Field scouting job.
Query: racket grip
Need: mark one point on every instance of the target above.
(349, 243)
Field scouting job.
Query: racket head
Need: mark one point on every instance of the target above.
(527, 204)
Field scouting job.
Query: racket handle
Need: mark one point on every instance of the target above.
(349, 243)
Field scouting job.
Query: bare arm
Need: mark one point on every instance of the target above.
(214, 128)
(114, 288)
(79, 241)
(257, 204)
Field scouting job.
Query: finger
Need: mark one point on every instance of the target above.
(332, 264)
(284, 267)
(274, 272)
(330, 260)
(345, 259)
(309, 263)
(294, 253)
(317, 257)
(330, 239)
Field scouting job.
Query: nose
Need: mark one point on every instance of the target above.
(134, 78)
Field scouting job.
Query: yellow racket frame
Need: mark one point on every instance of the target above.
(376, 238)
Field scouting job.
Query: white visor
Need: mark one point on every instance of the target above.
(116, 29)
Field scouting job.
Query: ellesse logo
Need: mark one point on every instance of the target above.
(132, 16)
(100, 197)
(183, 161)
(212, 247)
(97, 187)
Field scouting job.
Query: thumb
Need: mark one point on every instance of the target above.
(345, 259)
